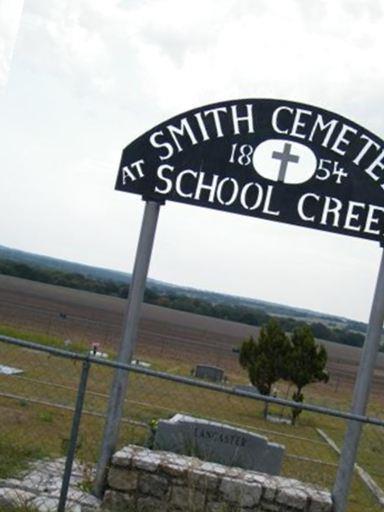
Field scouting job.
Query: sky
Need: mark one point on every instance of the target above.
(80, 79)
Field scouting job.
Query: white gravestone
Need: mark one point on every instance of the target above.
(218, 442)
(247, 388)
(8, 370)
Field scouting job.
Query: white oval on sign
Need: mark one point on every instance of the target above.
(285, 161)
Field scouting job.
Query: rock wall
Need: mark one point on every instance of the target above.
(144, 480)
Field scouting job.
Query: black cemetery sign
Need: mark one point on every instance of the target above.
(273, 159)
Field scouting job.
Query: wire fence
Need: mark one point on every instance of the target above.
(37, 408)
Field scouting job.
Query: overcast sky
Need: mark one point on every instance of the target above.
(89, 76)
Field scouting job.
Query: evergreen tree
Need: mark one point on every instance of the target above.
(305, 363)
(265, 358)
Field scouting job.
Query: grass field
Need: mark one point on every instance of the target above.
(35, 411)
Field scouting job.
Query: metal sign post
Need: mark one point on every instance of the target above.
(360, 395)
(131, 321)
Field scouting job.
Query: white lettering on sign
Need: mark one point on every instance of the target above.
(333, 134)
(275, 119)
(179, 180)
(247, 193)
(320, 125)
(341, 140)
(377, 163)
(216, 117)
(354, 215)
(233, 185)
(168, 182)
(241, 155)
(366, 147)
(181, 130)
(216, 189)
(209, 185)
(285, 161)
(331, 212)
(312, 208)
(330, 169)
(268, 203)
(237, 119)
(133, 172)
(201, 127)
(301, 123)
(348, 215)
(305, 214)
(373, 219)
(166, 145)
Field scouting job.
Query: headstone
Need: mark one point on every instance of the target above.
(279, 419)
(8, 370)
(218, 442)
(212, 373)
(96, 353)
(248, 388)
(139, 362)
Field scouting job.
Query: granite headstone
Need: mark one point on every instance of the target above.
(248, 388)
(218, 442)
(212, 373)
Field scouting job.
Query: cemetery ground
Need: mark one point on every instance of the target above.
(36, 406)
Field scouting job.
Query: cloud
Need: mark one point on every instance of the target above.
(58, 39)
(10, 14)
(177, 55)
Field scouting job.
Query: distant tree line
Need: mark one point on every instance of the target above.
(61, 278)
(180, 301)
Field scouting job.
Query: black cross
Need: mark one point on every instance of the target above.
(285, 157)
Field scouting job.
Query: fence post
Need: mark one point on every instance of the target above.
(74, 435)
(360, 394)
(131, 321)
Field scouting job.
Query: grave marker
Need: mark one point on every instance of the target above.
(248, 388)
(218, 442)
(212, 373)
(9, 370)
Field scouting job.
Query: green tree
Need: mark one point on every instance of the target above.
(265, 358)
(305, 364)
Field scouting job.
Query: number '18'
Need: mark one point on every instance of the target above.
(241, 154)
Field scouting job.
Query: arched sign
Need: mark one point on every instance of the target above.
(273, 159)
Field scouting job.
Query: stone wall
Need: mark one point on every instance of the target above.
(144, 480)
